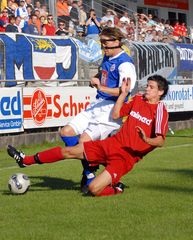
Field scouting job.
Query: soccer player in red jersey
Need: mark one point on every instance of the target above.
(144, 130)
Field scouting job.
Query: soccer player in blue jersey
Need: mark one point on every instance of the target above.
(96, 121)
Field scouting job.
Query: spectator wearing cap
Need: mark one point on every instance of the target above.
(80, 33)
(108, 16)
(62, 31)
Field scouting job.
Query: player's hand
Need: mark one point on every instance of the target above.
(141, 133)
(126, 86)
(95, 82)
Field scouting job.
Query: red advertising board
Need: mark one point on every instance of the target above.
(179, 4)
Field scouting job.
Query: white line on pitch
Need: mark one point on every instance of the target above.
(182, 145)
(6, 168)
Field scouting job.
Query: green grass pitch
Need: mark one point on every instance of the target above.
(157, 202)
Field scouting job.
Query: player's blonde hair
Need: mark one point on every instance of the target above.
(112, 32)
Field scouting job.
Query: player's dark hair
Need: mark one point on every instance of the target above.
(161, 82)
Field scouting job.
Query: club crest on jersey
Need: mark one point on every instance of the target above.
(140, 118)
(112, 68)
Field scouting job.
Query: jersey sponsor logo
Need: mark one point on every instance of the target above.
(140, 118)
(104, 77)
(112, 68)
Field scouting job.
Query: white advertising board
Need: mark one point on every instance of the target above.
(11, 111)
(179, 98)
(54, 106)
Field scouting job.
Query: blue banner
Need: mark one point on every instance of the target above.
(90, 52)
(186, 56)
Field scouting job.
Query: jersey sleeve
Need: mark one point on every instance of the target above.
(127, 70)
(161, 121)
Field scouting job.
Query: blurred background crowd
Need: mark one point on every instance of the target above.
(76, 20)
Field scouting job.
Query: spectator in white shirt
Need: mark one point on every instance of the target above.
(109, 16)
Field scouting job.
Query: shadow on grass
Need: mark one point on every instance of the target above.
(45, 183)
(53, 183)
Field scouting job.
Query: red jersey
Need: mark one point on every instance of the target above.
(50, 30)
(5, 20)
(177, 30)
(152, 118)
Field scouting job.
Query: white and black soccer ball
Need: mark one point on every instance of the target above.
(19, 183)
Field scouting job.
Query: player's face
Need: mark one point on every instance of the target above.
(107, 43)
(152, 93)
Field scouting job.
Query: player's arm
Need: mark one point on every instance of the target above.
(95, 82)
(125, 90)
(126, 70)
(157, 141)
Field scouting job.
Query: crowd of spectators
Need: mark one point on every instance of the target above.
(73, 20)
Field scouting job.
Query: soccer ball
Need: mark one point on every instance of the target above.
(19, 183)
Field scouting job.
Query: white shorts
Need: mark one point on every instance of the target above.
(96, 120)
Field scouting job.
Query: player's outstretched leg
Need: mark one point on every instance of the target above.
(48, 156)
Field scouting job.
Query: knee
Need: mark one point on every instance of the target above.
(66, 131)
(94, 189)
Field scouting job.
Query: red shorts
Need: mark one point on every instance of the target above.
(108, 152)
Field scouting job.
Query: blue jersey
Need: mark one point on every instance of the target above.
(110, 76)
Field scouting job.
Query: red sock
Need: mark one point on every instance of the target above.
(109, 190)
(47, 156)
